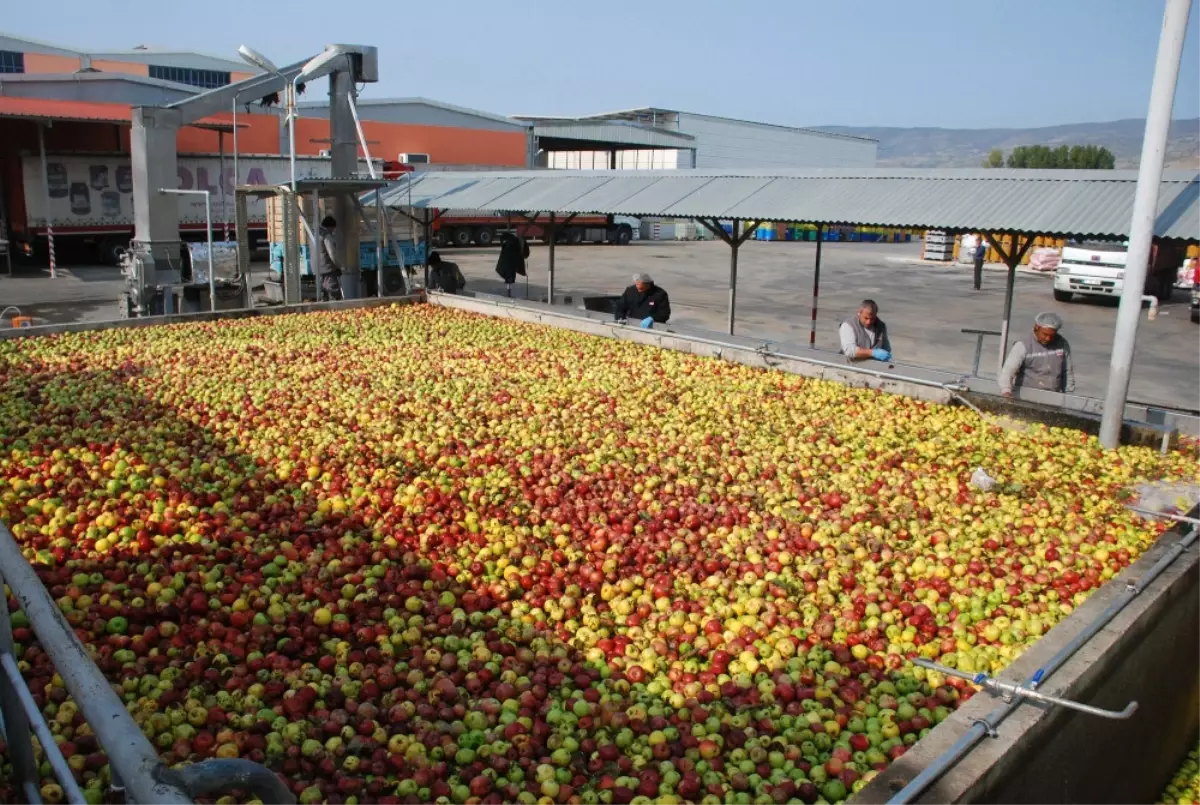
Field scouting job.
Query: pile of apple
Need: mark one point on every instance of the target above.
(1184, 788)
(413, 554)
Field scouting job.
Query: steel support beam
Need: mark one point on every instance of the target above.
(155, 165)
(343, 151)
(552, 236)
(1145, 209)
(1012, 260)
(812, 333)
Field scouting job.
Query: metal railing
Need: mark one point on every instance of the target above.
(132, 758)
(986, 726)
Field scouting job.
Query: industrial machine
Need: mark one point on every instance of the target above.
(157, 274)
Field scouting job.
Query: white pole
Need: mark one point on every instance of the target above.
(1145, 208)
(46, 192)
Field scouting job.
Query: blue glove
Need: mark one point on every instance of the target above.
(647, 322)
(881, 355)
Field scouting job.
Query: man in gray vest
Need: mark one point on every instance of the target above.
(1040, 360)
(864, 336)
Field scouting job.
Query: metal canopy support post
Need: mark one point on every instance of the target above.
(379, 218)
(221, 183)
(812, 333)
(46, 199)
(1145, 208)
(553, 236)
(734, 241)
(1012, 260)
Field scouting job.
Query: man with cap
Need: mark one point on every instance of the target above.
(864, 336)
(1040, 360)
(644, 302)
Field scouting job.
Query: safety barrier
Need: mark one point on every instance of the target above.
(134, 763)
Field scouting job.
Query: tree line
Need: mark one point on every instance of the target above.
(1083, 157)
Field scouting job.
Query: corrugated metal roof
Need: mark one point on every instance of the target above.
(86, 111)
(1068, 203)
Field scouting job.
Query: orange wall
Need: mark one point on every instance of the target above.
(257, 134)
(445, 145)
(132, 68)
(42, 63)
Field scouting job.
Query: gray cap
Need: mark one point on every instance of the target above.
(1048, 320)
(642, 278)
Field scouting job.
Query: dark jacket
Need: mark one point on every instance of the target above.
(514, 251)
(636, 305)
(446, 276)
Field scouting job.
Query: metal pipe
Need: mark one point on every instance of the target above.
(812, 333)
(212, 281)
(1009, 689)
(46, 199)
(362, 138)
(222, 774)
(58, 763)
(16, 723)
(221, 185)
(988, 724)
(1179, 518)
(128, 749)
(1145, 208)
(1153, 300)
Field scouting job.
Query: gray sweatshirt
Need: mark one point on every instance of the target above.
(853, 335)
(1039, 367)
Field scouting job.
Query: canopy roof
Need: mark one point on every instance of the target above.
(1093, 204)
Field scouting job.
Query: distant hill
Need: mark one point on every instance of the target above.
(966, 148)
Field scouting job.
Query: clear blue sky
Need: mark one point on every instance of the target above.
(974, 64)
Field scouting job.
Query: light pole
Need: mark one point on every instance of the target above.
(1145, 209)
(253, 57)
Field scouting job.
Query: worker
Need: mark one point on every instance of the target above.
(514, 251)
(864, 336)
(644, 302)
(329, 271)
(981, 250)
(1040, 360)
(444, 276)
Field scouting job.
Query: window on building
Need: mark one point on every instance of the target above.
(205, 79)
(12, 62)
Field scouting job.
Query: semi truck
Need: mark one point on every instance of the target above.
(91, 201)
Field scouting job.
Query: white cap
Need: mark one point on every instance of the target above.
(1050, 321)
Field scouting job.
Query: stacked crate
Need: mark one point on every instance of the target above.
(939, 246)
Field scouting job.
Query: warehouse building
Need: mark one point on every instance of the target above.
(712, 143)
(426, 132)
